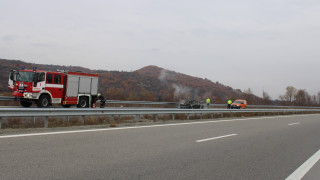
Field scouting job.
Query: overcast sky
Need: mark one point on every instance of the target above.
(258, 44)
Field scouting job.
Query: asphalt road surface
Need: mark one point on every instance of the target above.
(244, 148)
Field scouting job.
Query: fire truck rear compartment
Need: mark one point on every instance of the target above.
(80, 89)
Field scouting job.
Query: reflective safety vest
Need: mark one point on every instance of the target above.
(208, 101)
(229, 102)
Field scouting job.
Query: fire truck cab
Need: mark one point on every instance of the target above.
(45, 88)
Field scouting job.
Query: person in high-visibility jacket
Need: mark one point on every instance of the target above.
(229, 104)
(208, 102)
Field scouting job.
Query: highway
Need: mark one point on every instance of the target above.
(240, 148)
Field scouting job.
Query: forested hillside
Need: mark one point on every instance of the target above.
(150, 83)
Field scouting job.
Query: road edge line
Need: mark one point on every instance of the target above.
(138, 127)
(305, 167)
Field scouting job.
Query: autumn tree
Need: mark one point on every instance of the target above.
(115, 93)
(133, 96)
(146, 96)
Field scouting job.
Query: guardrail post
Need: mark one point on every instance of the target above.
(82, 119)
(188, 116)
(173, 116)
(0, 122)
(212, 116)
(157, 117)
(136, 117)
(68, 119)
(46, 121)
(111, 118)
(34, 120)
(221, 115)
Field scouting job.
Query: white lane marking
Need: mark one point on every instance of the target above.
(136, 127)
(219, 137)
(294, 124)
(305, 167)
(121, 128)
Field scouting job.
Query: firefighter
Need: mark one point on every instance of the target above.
(102, 100)
(208, 102)
(229, 104)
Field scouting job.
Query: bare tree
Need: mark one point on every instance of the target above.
(248, 91)
(290, 93)
(302, 97)
(313, 100)
(248, 95)
(289, 97)
(282, 97)
(266, 98)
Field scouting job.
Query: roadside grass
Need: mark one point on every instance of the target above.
(9, 103)
(115, 121)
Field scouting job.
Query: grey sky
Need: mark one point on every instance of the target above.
(257, 44)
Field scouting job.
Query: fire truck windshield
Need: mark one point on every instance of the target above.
(25, 76)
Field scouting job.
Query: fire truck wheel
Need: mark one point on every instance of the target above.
(44, 101)
(83, 102)
(25, 103)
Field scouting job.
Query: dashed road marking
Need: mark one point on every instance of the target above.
(219, 137)
(294, 124)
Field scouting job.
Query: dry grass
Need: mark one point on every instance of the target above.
(38, 122)
(9, 103)
(112, 124)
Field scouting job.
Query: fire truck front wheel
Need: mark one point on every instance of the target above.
(44, 101)
(83, 102)
(25, 102)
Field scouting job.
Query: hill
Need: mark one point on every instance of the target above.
(150, 83)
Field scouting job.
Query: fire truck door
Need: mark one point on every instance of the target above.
(55, 86)
(39, 84)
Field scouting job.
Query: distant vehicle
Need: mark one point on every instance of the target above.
(45, 88)
(191, 104)
(239, 104)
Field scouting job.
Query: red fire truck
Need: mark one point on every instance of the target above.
(45, 88)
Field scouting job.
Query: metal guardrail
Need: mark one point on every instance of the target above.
(47, 112)
(292, 107)
(8, 98)
(211, 105)
(140, 102)
(37, 112)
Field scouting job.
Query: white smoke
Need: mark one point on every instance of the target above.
(163, 75)
(180, 91)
